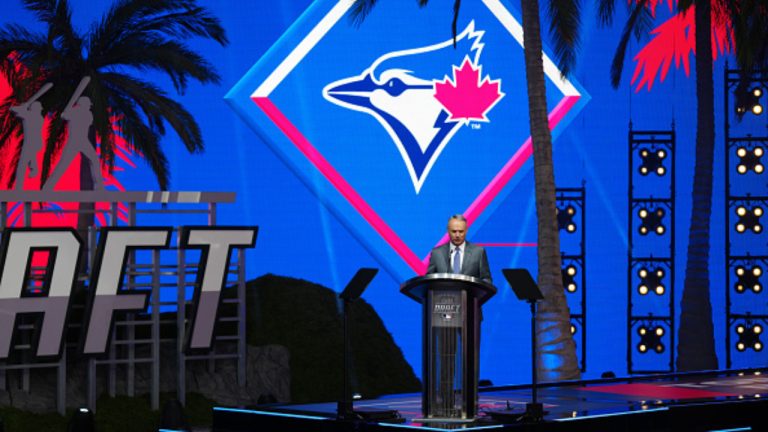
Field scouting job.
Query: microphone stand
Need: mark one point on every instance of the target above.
(534, 411)
(345, 409)
(525, 289)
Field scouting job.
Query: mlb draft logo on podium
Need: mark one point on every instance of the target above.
(403, 126)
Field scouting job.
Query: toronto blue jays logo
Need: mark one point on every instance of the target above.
(393, 127)
(419, 107)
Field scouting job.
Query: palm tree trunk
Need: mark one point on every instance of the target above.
(696, 345)
(556, 351)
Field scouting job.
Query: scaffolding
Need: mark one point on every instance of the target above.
(651, 252)
(746, 198)
(140, 341)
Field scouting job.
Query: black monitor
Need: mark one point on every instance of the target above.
(357, 285)
(523, 285)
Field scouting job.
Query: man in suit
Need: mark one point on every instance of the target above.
(458, 255)
(462, 257)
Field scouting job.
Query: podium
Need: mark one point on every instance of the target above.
(451, 333)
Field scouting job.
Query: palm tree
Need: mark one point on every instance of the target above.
(696, 343)
(556, 350)
(132, 38)
(696, 339)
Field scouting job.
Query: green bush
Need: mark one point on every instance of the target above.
(125, 414)
(16, 420)
(133, 414)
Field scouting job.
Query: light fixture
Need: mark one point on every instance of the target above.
(749, 219)
(650, 338)
(652, 161)
(651, 221)
(750, 159)
(81, 421)
(748, 100)
(757, 108)
(565, 218)
(749, 336)
(651, 280)
(569, 281)
(748, 279)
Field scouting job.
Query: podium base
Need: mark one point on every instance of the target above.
(534, 412)
(374, 415)
(443, 420)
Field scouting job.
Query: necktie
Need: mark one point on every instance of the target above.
(457, 260)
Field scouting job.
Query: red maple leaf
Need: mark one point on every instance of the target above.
(467, 97)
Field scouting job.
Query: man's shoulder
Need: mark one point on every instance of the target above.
(473, 246)
(440, 247)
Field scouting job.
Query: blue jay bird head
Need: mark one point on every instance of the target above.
(398, 90)
(412, 69)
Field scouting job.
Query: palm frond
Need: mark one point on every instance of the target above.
(617, 65)
(144, 35)
(174, 59)
(185, 24)
(178, 19)
(45, 10)
(360, 10)
(157, 108)
(749, 30)
(57, 15)
(102, 120)
(21, 44)
(141, 137)
(10, 125)
(645, 21)
(565, 25)
(151, 152)
(605, 12)
(61, 27)
(683, 5)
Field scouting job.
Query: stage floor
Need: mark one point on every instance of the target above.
(729, 400)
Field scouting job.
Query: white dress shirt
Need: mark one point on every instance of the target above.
(461, 257)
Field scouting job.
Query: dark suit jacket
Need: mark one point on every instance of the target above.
(475, 262)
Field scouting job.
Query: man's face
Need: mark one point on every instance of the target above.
(457, 230)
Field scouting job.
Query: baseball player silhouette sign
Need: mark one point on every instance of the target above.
(79, 117)
(32, 119)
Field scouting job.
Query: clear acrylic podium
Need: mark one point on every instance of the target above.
(451, 329)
